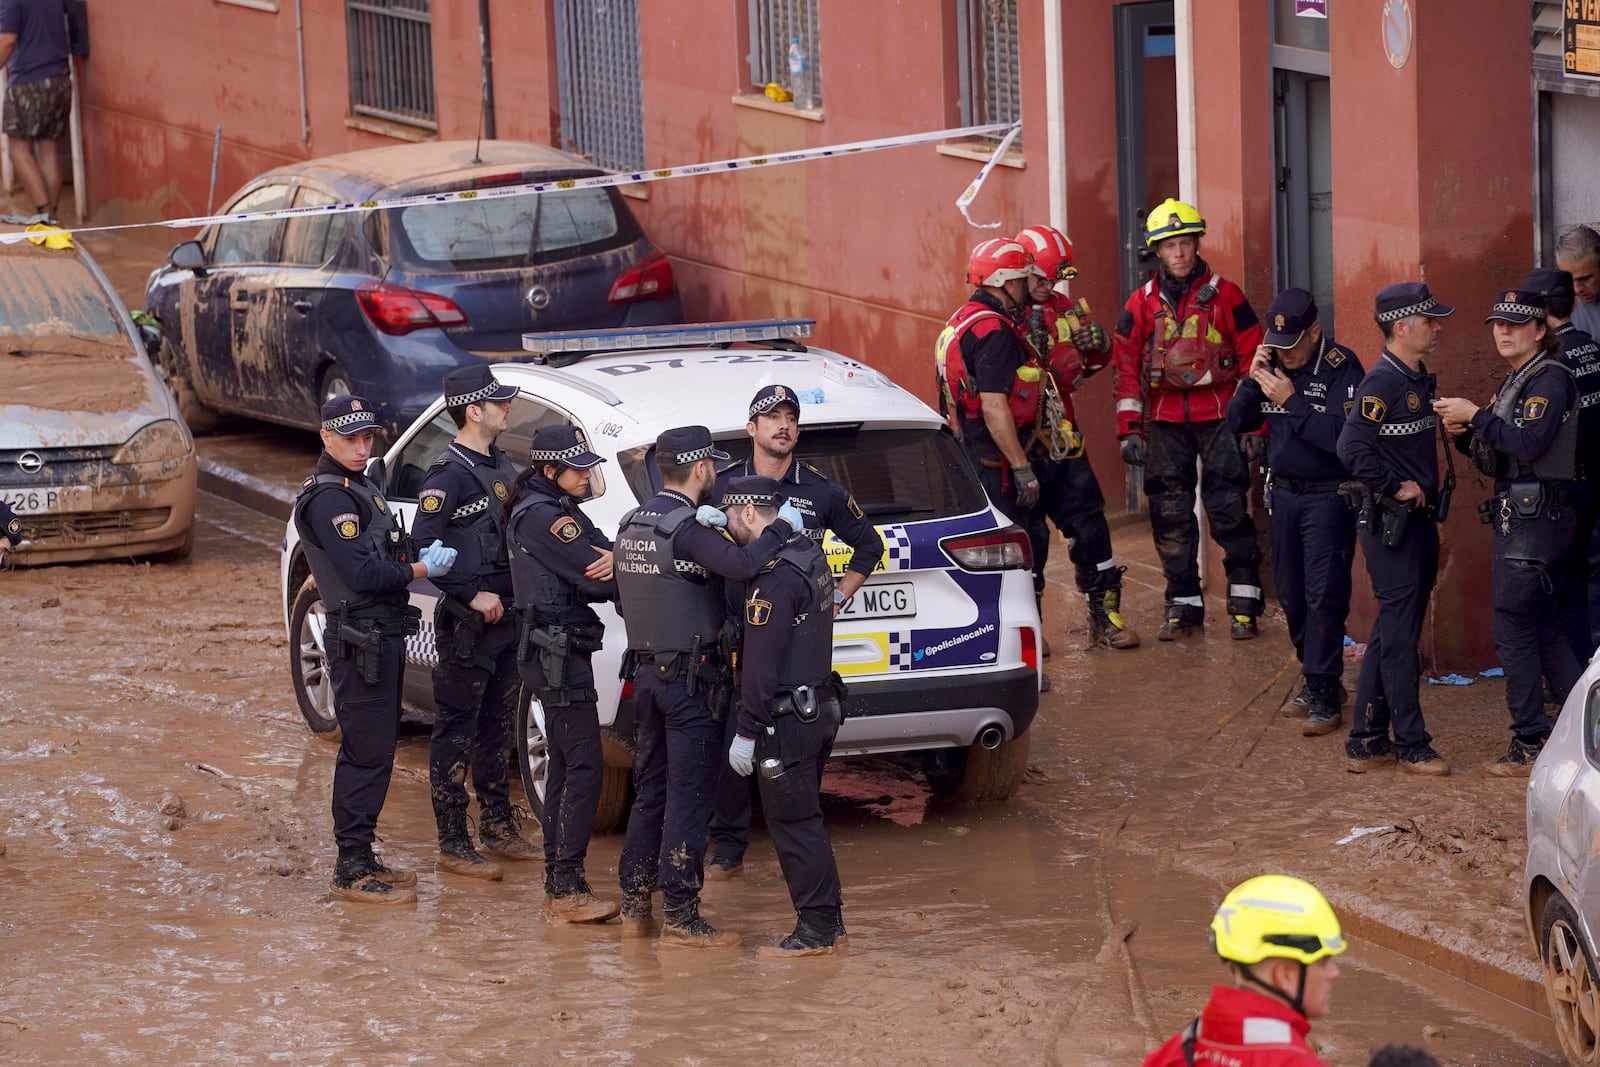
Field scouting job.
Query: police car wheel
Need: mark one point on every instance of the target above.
(308, 662)
(1569, 981)
(533, 761)
(979, 775)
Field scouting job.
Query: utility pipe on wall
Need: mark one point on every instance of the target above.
(488, 69)
(1055, 116)
(300, 54)
(1188, 137)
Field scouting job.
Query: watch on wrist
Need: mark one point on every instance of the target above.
(838, 596)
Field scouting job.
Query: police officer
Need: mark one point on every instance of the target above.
(1526, 439)
(10, 530)
(774, 429)
(1301, 386)
(1181, 341)
(789, 711)
(1578, 587)
(560, 564)
(475, 681)
(1387, 444)
(362, 565)
(666, 565)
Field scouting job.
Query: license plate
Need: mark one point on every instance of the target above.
(886, 600)
(47, 500)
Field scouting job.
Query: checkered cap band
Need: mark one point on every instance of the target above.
(694, 455)
(1409, 310)
(760, 500)
(461, 400)
(352, 418)
(557, 455)
(1521, 311)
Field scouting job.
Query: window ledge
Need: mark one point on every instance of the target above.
(398, 130)
(258, 5)
(981, 150)
(758, 102)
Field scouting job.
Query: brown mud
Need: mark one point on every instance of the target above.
(61, 373)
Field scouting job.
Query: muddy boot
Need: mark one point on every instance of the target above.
(1516, 763)
(456, 854)
(354, 879)
(813, 935)
(684, 928)
(1243, 628)
(395, 876)
(574, 902)
(723, 869)
(637, 919)
(1323, 717)
(1182, 621)
(1106, 625)
(498, 836)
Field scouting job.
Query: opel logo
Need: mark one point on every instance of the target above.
(538, 298)
(30, 462)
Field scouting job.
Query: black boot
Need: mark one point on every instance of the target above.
(1106, 625)
(397, 876)
(573, 901)
(684, 928)
(1323, 716)
(498, 836)
(354, 879)
(1182, 620)
(638, 919)
(456, 854)
(816, 933)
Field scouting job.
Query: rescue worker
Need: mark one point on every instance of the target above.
(1526, 439)
(1578, 587)
(475, 682)
(667, 560)
(1180, 343)
(774, 429)
(1073, 349)
(362, 563)
(560, 565)
(1301, 386)
(1388, 446)
(10, 530)
(1278, 935)
(789, 711)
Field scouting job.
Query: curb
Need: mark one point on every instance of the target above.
(219, 479)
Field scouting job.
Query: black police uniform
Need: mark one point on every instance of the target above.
(10, 524)
(1390, 438)
(1313, 529)
(666, 566)
(1578, 588)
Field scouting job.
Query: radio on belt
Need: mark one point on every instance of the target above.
(562, 347)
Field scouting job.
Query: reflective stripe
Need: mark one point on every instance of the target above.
(1105, 565)
(1589, 401)
(481, 504)
(1405, 429)
(1130, 405)
(1190, 601)
(1258, 1031)
(1253, 591)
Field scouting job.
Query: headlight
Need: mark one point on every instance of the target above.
(158, 441)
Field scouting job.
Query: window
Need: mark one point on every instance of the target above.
(527, 415)
(54, 295)
(312, 240)
(249, 242)
(391, 61)
(1591, 726)
(601, 92)
(521, 231)
(773, 25)
(991, 74)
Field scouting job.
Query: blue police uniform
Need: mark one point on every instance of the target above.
(1388, 439)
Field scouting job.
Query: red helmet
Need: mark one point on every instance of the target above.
(997, 261)
(1051, 250)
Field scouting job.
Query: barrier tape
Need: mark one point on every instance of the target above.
(965, 199)
(599, 181)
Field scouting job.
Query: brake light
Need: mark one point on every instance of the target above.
(648, 279)
(993, 550)
(397, 310)
(1030, 648)
(627, 690)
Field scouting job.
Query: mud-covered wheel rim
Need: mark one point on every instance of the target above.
(533, 752)
(336, 383)
(313, 655)
(1574, 997)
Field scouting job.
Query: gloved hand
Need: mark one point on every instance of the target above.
(437, 559)
(1251, 445)
(707, 515)
(791, 514)
(1027, 485)
(1091, 337)
(1132, 447)
(742, 755)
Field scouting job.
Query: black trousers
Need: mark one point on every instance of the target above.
(793, 805)
(1575, 576)
(575, 767)
(1531, 645)
(1313, 547)
(1224, 481)
(731, 806)
(475, 714)
(369, 725)
(1070, 497)
(1386, 696)
(675, 755)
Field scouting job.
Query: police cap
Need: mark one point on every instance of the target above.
(753, 489)
(771, 398)
(348, 415)
(1549, 281)
(1405, 299)
(686, 444)
(1292, 313)
(1518, 306)
(474, 385)
(562, 444)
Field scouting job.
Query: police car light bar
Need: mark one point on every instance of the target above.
(586, 342)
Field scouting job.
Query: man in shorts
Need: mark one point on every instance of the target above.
(33, 49)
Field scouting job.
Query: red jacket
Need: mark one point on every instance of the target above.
(1243, 1028)
(1223, 331)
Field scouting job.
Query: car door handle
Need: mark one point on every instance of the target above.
(302, 306)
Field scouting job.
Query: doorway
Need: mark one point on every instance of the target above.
(1304, 208)
(1147, 124)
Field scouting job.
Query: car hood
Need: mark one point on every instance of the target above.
(106, 408)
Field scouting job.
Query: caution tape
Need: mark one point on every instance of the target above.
(965, 199)
(599, 181)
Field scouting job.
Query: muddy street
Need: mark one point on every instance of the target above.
(165, 813)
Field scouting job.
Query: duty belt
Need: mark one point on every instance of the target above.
(1306, 485)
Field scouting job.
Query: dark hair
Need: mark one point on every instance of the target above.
(1559, 304)
(673, 472)
(519, 489)
(458, 415)
(1580, 244)
(1387, 329)
(1401, 1056)
(1550, 344)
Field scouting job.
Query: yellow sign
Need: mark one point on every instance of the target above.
(839, 553)
(1580, 39)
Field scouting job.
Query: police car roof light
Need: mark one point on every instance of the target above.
(687, 335)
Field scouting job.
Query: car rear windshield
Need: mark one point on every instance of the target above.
(50, 295)
(896, 475)
(519, 231)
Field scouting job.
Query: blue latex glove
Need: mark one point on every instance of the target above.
(791, 514)
(742, 755)
(710, 516)
(437, 559)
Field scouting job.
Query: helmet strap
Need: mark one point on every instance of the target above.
(1297, 1002)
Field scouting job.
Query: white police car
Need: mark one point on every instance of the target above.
(940, 647)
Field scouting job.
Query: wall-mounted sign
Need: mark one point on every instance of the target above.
(1311, 9)
(1398, 29)
(1580, 39)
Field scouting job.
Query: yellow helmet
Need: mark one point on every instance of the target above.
(1275, 916)
(1170, 218)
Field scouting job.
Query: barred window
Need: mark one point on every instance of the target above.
(391, 61)
(601, 91)
(774, 24)
(991, 74)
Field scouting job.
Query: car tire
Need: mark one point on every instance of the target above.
(1569, 982)
(534, 763)
(981, 775)
(335, 382)
(174, 367)
(308, 662)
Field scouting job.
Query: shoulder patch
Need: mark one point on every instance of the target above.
(1334, 358)
(757, 612)
(14, 526)
(378, 502)
(1534, 408)
(1413, 402)
(1348, 404)
(499, 489)
(565, 529)
(431, 500)
(855, 509)
(347, 525)
(1373, 408)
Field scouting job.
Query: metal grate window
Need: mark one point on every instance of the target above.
(391, 61)
(773, 23)
(602, 93)
(991, 73)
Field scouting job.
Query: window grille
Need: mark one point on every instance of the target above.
(773, 23)
(391, 61)
(601, 91)
(991, 73)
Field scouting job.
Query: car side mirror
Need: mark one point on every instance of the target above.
(378, 475)
(188, 256)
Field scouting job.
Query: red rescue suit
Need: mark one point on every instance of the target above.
(1243, 1028)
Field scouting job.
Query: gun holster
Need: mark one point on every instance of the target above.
(1394, 516)
(465, 631)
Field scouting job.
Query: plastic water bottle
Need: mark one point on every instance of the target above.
(800, 76)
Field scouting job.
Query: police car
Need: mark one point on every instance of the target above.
(940, 648)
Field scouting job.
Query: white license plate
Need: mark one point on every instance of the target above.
(47, 500)
(885, 600)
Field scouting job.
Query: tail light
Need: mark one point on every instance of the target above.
(1030, 649)
(396, 310)
(627, 691)
(993, 550)
(648, 279)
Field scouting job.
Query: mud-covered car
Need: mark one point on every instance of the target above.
(1561, 880)
(939, 647)
(94, 456)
